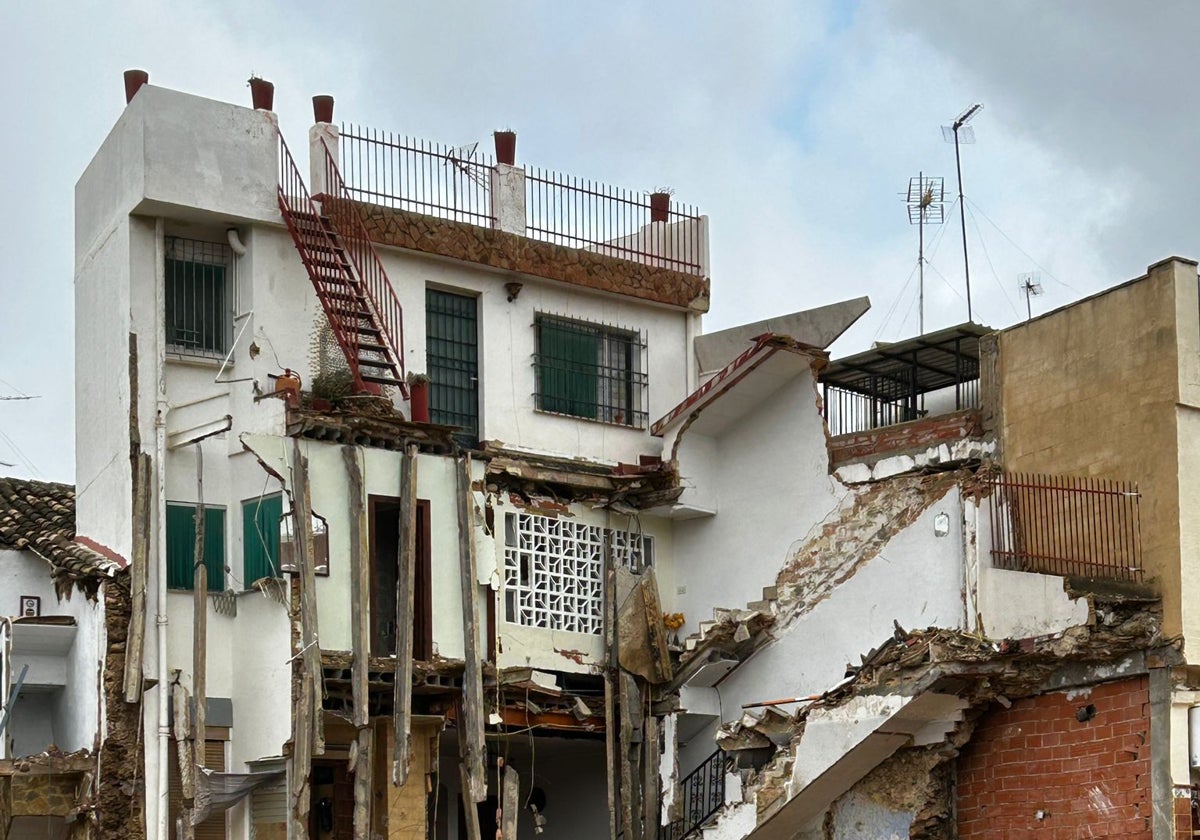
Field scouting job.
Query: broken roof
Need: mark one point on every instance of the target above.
(918, 365)
(39, 516)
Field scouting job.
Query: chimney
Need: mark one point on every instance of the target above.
(134, 79)
(323, 109)
(506, 147)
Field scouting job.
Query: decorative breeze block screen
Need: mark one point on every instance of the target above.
(554, 570)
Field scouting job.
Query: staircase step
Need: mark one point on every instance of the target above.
(387, 364)
(380, 380)
(371, 347)
(770, 593)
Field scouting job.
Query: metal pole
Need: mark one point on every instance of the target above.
(962, 212)
(921, 253)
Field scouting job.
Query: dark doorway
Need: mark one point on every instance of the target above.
(384, 526)
(331, 814)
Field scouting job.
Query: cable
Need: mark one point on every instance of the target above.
(988, 257)
(1043, 269)
(888, 317)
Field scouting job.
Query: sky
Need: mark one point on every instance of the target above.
(795, 126)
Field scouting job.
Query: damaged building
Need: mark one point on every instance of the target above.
(415, 503)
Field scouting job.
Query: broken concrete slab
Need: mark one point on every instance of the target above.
(819, 327)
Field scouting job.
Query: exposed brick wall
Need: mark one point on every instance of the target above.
(511, 252)
(1090, 779)
(1185, 817)
(904, 438)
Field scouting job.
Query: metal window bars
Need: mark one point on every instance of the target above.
(197, 297)
(591, 371)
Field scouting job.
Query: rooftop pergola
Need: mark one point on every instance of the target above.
(885, 385)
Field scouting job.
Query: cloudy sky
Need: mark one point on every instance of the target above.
(794, 125)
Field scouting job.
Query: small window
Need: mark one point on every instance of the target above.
(287, 543)
(181, 546)
(197, 296)
(260, 538)
(590, 371)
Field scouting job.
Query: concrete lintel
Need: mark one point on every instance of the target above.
(1076, 674)
(819, 327)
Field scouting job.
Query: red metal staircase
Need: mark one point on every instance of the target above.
(364, 314)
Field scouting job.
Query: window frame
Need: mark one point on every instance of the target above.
(262, 513)
(214, 341)
(610, 390)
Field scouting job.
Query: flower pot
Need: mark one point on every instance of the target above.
(323, 109)
(262, 93)
(506, 147)
(660, 206)
(134, 79)
(418, 400)
(320, 404)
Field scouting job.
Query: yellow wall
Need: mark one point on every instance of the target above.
(1092, 389)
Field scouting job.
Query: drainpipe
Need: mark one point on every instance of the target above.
(691, 330)
(5, 675)
(160, 473)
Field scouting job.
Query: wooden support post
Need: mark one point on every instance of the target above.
(471, 733)
(199, 619)
(510, 804)
(309, 636)
(651, 784)
(470, 811)
(405, 584)
(610, 696)
(139, 562)
(360, 642)
(630, 707)
(185, 753)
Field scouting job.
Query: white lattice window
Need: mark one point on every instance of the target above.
(554, 570)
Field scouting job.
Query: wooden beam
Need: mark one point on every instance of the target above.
(470, 811)
(185, 754)
(511, 804)
(360, 641)
(630, 703)
(405, 584)
(135, 640)
(651, 784)
(610, 698)
(309, 636)
(471, 734)
(199, 618)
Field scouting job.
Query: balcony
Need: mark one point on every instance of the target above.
(906, 398)
(460, 203)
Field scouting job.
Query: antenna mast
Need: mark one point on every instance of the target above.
(924, 207)
(968, 136)
(1030, 284)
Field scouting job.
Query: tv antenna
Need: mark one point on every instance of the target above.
(958, 132)
(461, 158)
(1030, 284)
(925, 207)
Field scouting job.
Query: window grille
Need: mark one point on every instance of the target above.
(452, 361)
(554, 570)
(590, 371)
(197, 296)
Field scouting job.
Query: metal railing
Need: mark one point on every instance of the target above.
(409, 174)
(580, 213)
(703, 796)
(848, 412)
(1066, 525)
(198, 296)
(348, 224)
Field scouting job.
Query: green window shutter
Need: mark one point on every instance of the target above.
(567, 369)
(181, 546)
(260, 538)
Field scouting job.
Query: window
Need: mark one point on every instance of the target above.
(212, 828)
(591, 371)
(287, 543)
(260, 538)
(554, 570)
(197, 296)
(452, 362)
(181, 546)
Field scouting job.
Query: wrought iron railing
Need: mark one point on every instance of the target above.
(405, 173)
(1066, 525)
(848, 412)
(613, 221)
(703, 796)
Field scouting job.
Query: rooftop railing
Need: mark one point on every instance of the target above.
(1066, 525)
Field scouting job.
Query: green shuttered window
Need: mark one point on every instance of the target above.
(452, 361)
(260, 538)
(181, 546)
(590, 371)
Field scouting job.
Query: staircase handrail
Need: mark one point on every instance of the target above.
(703, 795)
(356, 241)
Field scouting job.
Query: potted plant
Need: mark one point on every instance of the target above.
(418, 397)
(329, 387)
(660, 204)
(262, 93)
(506, 146)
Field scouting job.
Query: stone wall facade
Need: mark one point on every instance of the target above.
(904, 438)
(512, 252)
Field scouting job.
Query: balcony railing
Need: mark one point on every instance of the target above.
(613, 221)
(416, 175)
(1064, 525)
(849, 411)
(703, 795)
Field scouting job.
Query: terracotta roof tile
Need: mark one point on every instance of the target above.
(40, 516)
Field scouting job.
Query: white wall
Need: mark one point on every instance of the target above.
(72, 714)
(771, 478)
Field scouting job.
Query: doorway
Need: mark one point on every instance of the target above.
(384, 524)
